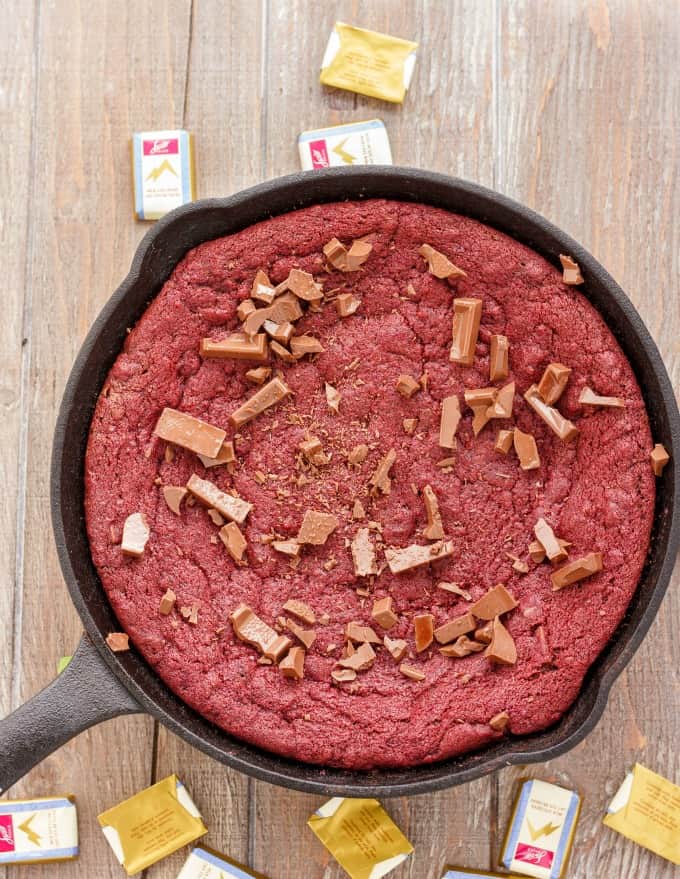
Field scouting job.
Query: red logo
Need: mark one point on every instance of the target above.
(164, 147)
(6, 834)
(319, 154)
(530, 854)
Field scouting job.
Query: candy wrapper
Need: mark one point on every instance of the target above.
(152, 825)
(203, 863)
(361, 836)
(646, 809)
(38, 831)
(471, 873)
(360, 143)
(163, 171)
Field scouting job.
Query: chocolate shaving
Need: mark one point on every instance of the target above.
(380, 481)
(455, 588)
(435, 528)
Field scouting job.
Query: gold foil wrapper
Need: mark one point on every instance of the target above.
(361, 836)
(646, 809)
(152, 825)
(372, 64)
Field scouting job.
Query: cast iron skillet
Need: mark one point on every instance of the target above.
(99, 684)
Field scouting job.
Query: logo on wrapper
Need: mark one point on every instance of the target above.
(162, 147)
(530, 854)
(319, 153)
(6, 834)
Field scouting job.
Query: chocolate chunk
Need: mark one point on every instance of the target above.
(495, 602)
(248, 627)
(407, 386)
(503, 442)
(278, 648)
(361, 634)
(269, 395)
(455, 628)
(588, 397)
(462, 647)
(189, 432)
(502, 405)
(293, 664)
(467, 315)
(287, 547)
(481, 401)
(262, 289)
(245, 308)
(499, 721)
(501, 650)
(346, 304)
(233, 508)
(450, 419)
(306, 636)
(498, 358)
(301, 610)
(282, 352)
(226, 455)
(313, 451)
(439, 265)
(136, 533)
(343, 675)
(434, 529)
(362, 659)
(525, 447)
(301, 345)
(358, 511)
(333, 398)
(410, 425)
(560, 425)
(235, 542)
(577, 570)
(281, 333)
(316, 528)
(238, 346)
(571, 273)
(173, 496)
(414, 556)
(546, 537)
(303, 285)
(536, 551)
(167, 602)
(347, 260)
(190, 613)
(410, 671)
(363, 554)
(119, 642)
(383, 614)
(659, 457)
(553, 382)
(484, 633)
(284, 308)
(358, 454)
(423, 625)
(216, 518)
(259, 375)
(380, 481)
(455, 588)
(396, 648)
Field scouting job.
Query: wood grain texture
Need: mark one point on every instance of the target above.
(569, 107)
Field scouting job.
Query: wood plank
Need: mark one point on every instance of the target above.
(103, 70)
(222, 107)
(446, 123)
(597, 120)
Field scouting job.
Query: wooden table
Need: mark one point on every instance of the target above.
(572, 107)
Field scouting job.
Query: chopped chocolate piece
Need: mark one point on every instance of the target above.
(336, 254)
(409, 425)
(312, 449)
(462, 647)
(216, 518)
(410, 557)
(455, 588)
(659, 457)
(445, 462)
(301, 610)
(553, 382)
(455, 628)
(407, 386)
(358, 454)
(502, 648)
(484, 633)
(347, 260)
(250, 628)
(380, 481)
(136, 533)
(281, 352)
(571, 273)
(167, 602)
(285, 308)
(560, 425)
(361, 634)
(434, 529)
(396, 648)
(502, 405)
(278, 648)
(235, 542)
(306, 636)
(525, 447)
(346, 304)
(301, 345)
(493, 603)
(498, 358)
(362, 659)
(226, 455)
(503, 442)
(238, 346)
(287, 547)
(467, 315)
(233, 508)
(169, 454)
(259, 375)
(536, 551)
(588, 397)
(293, 664)
(410, 671)
(499, 721)
(363, 554)
(358, 511)
(449, 422)
(480, 400)
(343, 675)
(189, 432)
(316, 528)
(383, 614)
(262, 289)
(546, 537)
(118, 641)
(245, 308)
(517, 564)
(190, 614)
(303, 285)
(268, 395)
(174, 495)
(333, 398)
(423, 625)
(281, 333)
(577, 570)
(439, 265)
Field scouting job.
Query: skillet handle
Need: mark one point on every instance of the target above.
(84, 694)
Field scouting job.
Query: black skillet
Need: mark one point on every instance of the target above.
(99, 684)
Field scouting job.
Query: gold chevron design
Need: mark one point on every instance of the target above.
(546, 830)
(346, 157)
(31, 834)
(155, 173)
